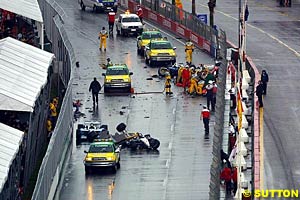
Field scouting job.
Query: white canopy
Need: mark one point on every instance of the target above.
(10, 141)
(26, 8)
(23, 72)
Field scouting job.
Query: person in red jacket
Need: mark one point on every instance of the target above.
(205, 116)
(140, 13)
(111, 20)
(185, 77)
(226, 176)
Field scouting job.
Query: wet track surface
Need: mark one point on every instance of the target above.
(180, 170)
(273, 43)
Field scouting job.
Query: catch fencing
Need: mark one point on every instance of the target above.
(60, 142)
(214, 42)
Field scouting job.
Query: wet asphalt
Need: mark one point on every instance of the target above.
(273, 35)
(180, 170)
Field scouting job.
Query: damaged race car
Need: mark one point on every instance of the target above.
(136, 140)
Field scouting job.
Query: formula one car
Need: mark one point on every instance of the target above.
(88, 131)
(136, 140)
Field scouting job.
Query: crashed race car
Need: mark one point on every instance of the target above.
(89, 131)
(93, 131)
(136, 140)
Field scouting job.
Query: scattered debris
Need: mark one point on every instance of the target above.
(145, 66)
(133, 97)
(124, 107)
(122, 112)
(146, 117)
(155, 76)
(149, 79)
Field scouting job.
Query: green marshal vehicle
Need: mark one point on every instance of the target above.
(160, 51)
(102, 153)
(117, 78)
(144, 39)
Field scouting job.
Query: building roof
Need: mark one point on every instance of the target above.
(10, 141)
(23, 73)
(26, 8)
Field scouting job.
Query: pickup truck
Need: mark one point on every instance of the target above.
(129, 24)
(101, 5)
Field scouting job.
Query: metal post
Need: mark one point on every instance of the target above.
(193, 7)
(211, 6)
(42, 36)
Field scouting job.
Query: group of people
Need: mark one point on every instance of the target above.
(229, 176)
(12, 25)
(13, 119)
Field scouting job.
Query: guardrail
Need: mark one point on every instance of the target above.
(60, 142)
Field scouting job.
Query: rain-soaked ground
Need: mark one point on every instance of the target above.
(181, 168)
(273, 35)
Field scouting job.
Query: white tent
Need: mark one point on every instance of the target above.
(26, 8)
(23, 72)
(29, 9)
(10, 141)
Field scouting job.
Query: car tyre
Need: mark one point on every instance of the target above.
(154, 143)
(82, 6)
(122, 32)
(151, 63)
(88, 170)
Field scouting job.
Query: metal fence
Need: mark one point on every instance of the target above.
(62, 134)
(182, 17)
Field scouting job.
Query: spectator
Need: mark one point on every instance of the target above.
(226, 176)
(259, 92)
(264, 80)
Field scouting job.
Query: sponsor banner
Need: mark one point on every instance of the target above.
(206, 45)
(166, 23)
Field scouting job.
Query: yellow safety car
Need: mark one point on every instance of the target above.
(117, 78)
(160, 51)
(144, 39)
(102, 153)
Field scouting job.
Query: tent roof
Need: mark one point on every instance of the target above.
(23, 72)
(10, 141)
(26, 8)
